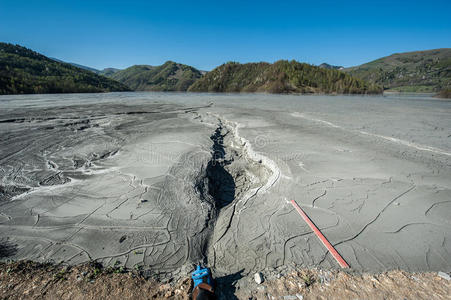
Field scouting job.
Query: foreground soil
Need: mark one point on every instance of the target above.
(28, 280)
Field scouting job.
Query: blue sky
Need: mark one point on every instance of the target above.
(205, 34)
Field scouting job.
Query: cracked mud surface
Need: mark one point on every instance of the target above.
(163, 181)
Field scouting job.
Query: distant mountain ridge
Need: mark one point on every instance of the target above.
(327, 66)
(280, 77)
(419, 71)
(105, 72)
(23, 71)
(170, 76)
(76, 65)
(108, 71)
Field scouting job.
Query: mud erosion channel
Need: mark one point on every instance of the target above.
(162, 181)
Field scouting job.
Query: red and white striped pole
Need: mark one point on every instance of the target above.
(322, 238)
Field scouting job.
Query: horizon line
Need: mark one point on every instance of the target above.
(69, 61)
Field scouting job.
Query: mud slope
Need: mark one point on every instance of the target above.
(104, 187)
(162, 181)
(109, 184)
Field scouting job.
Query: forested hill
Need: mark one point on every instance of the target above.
(281, 77)
(420, 71)
(170, 76)
(327, 66)
(23, 71)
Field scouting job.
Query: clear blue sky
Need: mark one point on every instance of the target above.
(205, 34)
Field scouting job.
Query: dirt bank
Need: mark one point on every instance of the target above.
(27, 280)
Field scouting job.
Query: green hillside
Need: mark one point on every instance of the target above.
(23, 71)
(107, 71)
(328, 66)
(281, 77)
(420, 71)
(170, 76)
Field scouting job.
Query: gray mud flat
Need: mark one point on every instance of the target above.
(162, 181)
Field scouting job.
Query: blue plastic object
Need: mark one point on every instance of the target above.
(202, 275)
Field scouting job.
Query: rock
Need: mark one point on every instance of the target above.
(164, 287)
(444, 275)
(301, 284)
(325, 279)
(178, 291)
(168, 294)
(147, 274)
(293, 297)
(258, 277)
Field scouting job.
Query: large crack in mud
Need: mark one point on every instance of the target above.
(235, 173)
(221, 184)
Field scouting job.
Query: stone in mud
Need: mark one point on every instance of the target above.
(258, 277)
